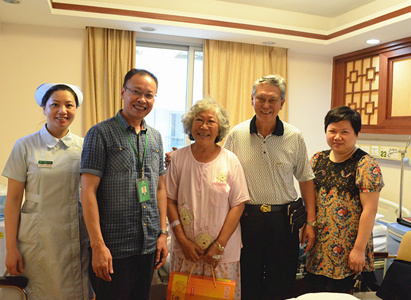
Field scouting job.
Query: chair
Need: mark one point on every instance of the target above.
(397, 280)
(16, 282)
(404, 252)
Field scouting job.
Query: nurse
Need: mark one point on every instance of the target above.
(46, 239)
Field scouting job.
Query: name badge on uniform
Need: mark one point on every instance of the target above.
(45, 164)
(143, 191)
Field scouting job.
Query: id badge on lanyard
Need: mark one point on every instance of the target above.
(143, 190)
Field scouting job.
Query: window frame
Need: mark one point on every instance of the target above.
(191, 48)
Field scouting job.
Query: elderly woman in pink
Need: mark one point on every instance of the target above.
(206, 191)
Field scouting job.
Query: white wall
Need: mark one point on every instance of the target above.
(29, 56)
(309, 96)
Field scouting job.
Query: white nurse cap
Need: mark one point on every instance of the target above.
(43, 88)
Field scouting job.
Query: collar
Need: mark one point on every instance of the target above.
(143, 126)
(278, 130)
(52, 141)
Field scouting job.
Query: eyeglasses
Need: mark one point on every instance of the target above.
(140, 94)
(261, 100)
(208, 123)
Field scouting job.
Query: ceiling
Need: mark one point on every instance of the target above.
(325, 8)
(324, 27)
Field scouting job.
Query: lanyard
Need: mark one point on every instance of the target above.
(134, 148)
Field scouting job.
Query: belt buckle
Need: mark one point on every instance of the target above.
(265, 208)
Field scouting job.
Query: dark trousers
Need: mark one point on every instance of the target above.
(269, 256)
(319, 283)
(131, 279)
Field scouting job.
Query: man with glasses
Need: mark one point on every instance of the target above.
(123, 195)
(271, 153)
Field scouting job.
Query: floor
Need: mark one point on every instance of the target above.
(366, 295)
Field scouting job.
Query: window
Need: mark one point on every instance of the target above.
(179, 70)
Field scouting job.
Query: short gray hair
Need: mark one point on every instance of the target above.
(275, 80)
(203, 105)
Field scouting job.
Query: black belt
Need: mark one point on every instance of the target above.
(265, 208)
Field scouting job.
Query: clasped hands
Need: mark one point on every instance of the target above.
(192, 252)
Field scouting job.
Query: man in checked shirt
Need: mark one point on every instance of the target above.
(123, 195)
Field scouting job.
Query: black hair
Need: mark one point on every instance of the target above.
(143, 72)
(57, 87)
(342, 113)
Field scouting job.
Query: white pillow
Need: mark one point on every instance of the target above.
(378, 216)
(379, 230)
(326, 296)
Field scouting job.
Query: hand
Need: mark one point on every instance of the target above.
(191, 250)
(167, 160)
(212, 256)
(161, 252)
(356, 260)
(307, 235)
(14, 262)
(102, 262)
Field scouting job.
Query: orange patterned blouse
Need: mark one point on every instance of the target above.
(338, 209)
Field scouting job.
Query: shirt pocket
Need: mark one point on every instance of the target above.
(31, 203)
(120, 159)
(28, 227)
(219, 192)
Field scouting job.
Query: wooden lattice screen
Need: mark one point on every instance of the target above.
(361, 88)
(375, 82)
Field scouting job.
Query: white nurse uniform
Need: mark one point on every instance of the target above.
(52, 236)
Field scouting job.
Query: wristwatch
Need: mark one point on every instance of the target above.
(313, 223)
(163, 231)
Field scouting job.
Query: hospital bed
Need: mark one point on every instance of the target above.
(387, 213)
(390, 211)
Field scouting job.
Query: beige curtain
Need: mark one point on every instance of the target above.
(110, 55)
(231, 69)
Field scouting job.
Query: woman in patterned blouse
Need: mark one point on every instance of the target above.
(347, 182)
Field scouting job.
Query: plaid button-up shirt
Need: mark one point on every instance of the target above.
(128, 226)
